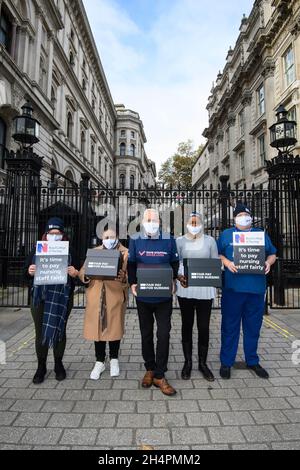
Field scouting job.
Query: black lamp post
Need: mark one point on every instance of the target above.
(25, 127)
(283, 132)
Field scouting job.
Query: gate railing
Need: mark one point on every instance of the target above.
(26, 203)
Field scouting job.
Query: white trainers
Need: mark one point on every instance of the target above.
(97, 371)
(114, 368)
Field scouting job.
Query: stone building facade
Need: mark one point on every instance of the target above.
(262, 71)
(48, 56)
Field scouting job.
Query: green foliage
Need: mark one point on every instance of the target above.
(178, 168)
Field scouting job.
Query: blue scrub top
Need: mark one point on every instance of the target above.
(157, 250)
(249, 283)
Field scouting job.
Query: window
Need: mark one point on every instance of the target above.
(123, 133)
(122, 149)
(71, 58)
(43, 74)
(261, 100)
(131, 181)
(262, 150)
(2, 142)
(122, 181)
(5, 29)
(132, 150)
(242, 123)
(242, 164)
(132, 135)
(69, 175)
(82, 143)
(226, 168)
(93, 155)
(292, 114)
(70, 126)
(53, 97)
(289, 66)
(227, 140)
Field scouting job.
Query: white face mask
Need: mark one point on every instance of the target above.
(54, 237)
(109, 243)
(151, 228)
(194, 230)
(244, 220)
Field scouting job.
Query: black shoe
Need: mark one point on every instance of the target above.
(225, 372)
(187, 348)
(259, 371)
(186, 370)
(206, 372)
(41, 371)
(60, 372)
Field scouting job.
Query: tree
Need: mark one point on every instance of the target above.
(178, 168)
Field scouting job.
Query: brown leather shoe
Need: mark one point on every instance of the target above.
(164, 386)
(148, 379)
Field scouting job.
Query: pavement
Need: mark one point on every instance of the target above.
(243, 413)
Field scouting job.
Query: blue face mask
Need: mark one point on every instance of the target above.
(109, 243)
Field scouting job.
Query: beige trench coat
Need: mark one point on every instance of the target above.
(116, 302)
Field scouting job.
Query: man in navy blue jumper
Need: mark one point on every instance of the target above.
(243, 298)
(152, 247)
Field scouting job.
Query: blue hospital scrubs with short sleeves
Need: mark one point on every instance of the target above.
(243, 302)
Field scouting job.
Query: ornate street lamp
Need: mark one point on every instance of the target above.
(283, 132)
(25, 127)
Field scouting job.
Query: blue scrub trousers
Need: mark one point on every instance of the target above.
(237, 308)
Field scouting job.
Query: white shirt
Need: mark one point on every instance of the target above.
(203, 247)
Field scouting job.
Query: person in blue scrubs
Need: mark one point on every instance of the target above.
(152, 247)
(243, 299)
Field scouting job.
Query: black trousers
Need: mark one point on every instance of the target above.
(203, 313)
(161, 312)
(37, 313)
(100, 350)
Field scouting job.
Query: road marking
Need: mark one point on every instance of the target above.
(22, 346)
(278, 328)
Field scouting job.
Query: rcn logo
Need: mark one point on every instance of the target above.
(240, 238)
(42, 247)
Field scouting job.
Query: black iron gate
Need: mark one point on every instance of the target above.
(26, 203)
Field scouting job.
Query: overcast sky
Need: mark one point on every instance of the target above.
(161, 57)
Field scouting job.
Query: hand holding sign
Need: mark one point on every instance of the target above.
(32, 269)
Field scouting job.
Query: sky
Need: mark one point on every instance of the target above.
(161, 57)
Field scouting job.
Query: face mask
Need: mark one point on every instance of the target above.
(54, 237)
(244, 221)
(194, 230)
(109, 243)
(151, 227)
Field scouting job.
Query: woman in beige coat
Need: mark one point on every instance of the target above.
(106, 302)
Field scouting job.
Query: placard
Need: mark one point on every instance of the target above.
(154, 280)
(203, 272)
(249, 253)
(103, 264)
(51, 259)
